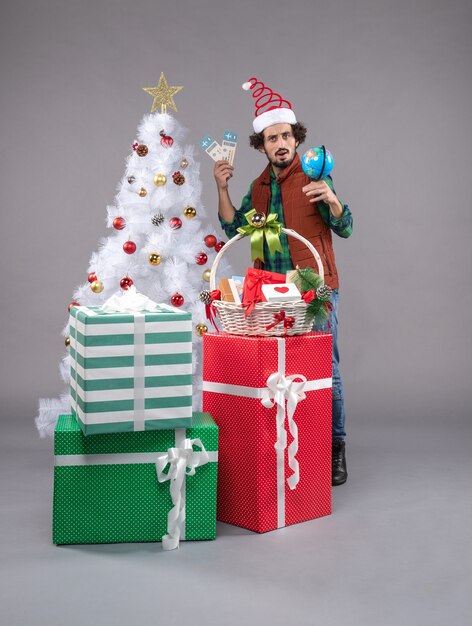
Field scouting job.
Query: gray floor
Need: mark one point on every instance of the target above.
(395, 552)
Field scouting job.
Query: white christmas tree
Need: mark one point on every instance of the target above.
(158, 241)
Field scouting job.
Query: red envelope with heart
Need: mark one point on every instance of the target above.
(287, 292)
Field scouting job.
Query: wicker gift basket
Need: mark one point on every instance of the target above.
(233, 315)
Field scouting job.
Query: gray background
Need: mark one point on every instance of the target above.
(385, 85)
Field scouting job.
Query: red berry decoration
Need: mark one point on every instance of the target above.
(135, 145)
(175, 223)
(201, 258)
(126, 282)
(219, 245)
(178, 178)
(166, 140)
(119, 223)
(92, 277)
(129, 247)
(210, 241)
(73, 304)
(177, 299)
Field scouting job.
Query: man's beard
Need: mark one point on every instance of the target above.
(283, 164)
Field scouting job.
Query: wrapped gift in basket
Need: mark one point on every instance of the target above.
(280, 318)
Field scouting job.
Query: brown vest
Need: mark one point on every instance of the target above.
(301, 216)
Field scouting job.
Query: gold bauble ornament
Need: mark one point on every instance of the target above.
(206, 275)
(154, 258)
(67, 341)
(190, 212)
(184, 163)
(258, 220)
(201, 329)
(142, 192)
(160, 180)
(96, 286)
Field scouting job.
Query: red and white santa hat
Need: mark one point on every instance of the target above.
(271, 108)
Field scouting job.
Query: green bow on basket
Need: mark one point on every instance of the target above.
(259, 227)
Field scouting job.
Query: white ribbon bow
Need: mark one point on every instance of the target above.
(279, 389)
(131, 301)
(183, 462)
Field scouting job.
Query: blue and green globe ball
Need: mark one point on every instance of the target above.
(316, 164)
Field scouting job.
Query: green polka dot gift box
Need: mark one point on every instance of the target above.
(130, 371)
(136, 486)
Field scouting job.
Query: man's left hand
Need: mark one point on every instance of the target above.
(319, 190)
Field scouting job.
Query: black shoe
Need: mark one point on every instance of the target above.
(338, 460)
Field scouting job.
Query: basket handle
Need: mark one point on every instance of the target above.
(287, 231)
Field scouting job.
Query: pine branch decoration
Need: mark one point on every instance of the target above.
(307, 279)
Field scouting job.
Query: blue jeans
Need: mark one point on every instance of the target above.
(339, 416)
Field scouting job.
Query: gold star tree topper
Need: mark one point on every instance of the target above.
(163, 95)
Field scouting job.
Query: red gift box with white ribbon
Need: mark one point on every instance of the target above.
(271, 399)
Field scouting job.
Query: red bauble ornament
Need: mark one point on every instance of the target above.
(92, 277)
(177, 299)
(119, 223)
(210, 241)
(73, 304)
(166, 140)
(126, 282)
(129, 247)
(219, 245)
(175, 223)
(201, 258)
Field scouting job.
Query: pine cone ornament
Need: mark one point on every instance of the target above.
(323, 293)
(178, 178)
(157, 219)
(205, 297)
(142, 150)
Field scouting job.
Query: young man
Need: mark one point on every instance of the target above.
(312, 209)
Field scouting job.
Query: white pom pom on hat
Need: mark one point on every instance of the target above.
(280, 111)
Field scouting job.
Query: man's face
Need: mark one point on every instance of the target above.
(279, 145)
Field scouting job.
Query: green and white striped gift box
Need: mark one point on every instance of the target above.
(131, 371)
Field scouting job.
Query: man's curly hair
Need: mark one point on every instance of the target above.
(256, 140)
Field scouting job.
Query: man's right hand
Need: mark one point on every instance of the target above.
(223, 171)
